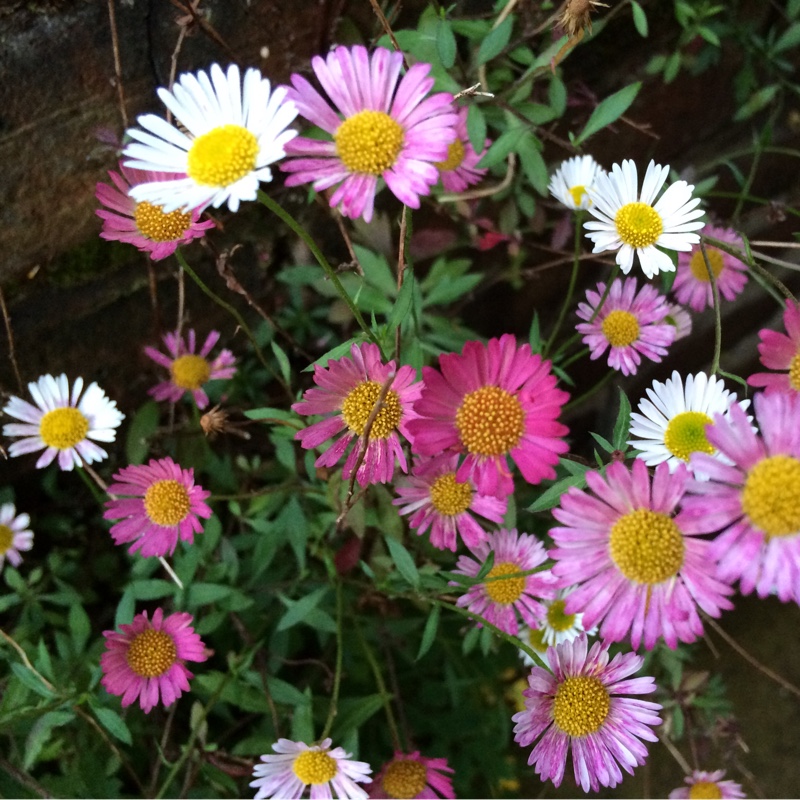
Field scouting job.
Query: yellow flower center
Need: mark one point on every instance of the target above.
(646, 546)
(404, 779)
(455, 155)
(369, 142)
(771, 496)
(794, 373)
(6, 539)
(190, 371)
(686, 434)
(490, 421)
(705, 790)
(166, 502)
(507, 590)
(63, 428)
(557, 619)
(151, 653)
(358, 405)
(313, 767)
(157, 226)
(577, 193)
(638, 224)
(222, 156)
(581, 705)
(450, 497)
(621, 328)
(697, 264)
(536, 640)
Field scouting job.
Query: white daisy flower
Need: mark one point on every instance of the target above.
(14, 534)
(234, 132)
(630, 222)
(681, 319)
(62, 423)
(534, 638)
(571, 181)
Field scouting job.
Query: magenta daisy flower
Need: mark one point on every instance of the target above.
(708, 784)
(436, 499)
(578, 707)
(189, 370)
(380, 129)
(491, 402)
(641, 568)
(692, 286)
(629, 324)
(15, 536)
(158, 504)
(755, 501)
(459, 170)
(498, 599)
(145, 660)
(781, 352)
(410, 775)
(144, 224)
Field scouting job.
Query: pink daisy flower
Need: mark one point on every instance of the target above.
(680, 319)
(629, 324)
(708, 784)
(145, 660)
(578, 707)
(189, 370)
(15, 536)
(144, 224)
(499, 600)
(410, 775)
(436, 499)
(754, 501)
(641, 568)
(379, 129)
(459, 170)
(491, 402)
(159, 503)
(781, 352)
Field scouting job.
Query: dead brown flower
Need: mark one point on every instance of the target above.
(576, 16)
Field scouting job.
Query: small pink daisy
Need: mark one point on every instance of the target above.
(15, 536)
(632, 325)
(640, 566)
(708, 784)
(459, 170)
(144, 224)
(347, 393)
(781, 352)
(379, 129)
(499, 600)
(439, 501)
(145, 659)
(160, 503)
(754, 501)
(578, 707)
(189, 370)
(491, 402)
(410, 775)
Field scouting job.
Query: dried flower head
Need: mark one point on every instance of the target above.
(577, 15)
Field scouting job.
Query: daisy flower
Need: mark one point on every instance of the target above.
(347, 393)
(680, 319)
(780, 352)
(498, 599)
(62, 423)
(459, 170)
(145, 660)
(708, 784)
(15, 536)
(234, 130)
(579, 707)
(143, 224)
(329, 772)
(755, 500)
(189, 370)
(491, 402)
(629, 324)
(437, 500)
(534, 638)
(640, 566)
(410, 775)
(571, 181)
(630, 222)
(379, 128)
(157, 504)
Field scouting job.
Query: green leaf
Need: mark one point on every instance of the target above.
(639, 19)
(283, 361)
(603, 442)
(272, 414)
(140, 429)
(402, 304)
(495, 41)
(446, 43)
(557, 95)
(533, 164)
(80, 627)
(298, 610)
(284, 692)
(500, 149)
(376, 270)
(30, 680)
(340, 350)
(609, 110)
(40, 733)
(429, 632)
(113, 723)
(202, 594)
(403, 561)
(763, 97)
(125, 608)
(551, 497)
(353, 712)
(470, 640)
(476, 128)
(623, 424)
(672, 67)
(153, 589)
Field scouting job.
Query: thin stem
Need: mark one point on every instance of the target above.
(337, 676)
(675, 753)
(92, 487)
(170, 572)
(112, 21)
(11, 354)
(573, 278)
(405, 235)
(717, 315)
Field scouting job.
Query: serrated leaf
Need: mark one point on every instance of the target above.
(639, 19)
(429, 632)
(623, 424)
(113, 723)
(495, 41)
(446, 43)
(609, 110)
(143, 425)
(551, 497)
(403, 561)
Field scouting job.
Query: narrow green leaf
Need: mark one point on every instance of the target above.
(125, 608)
(276, 414)
(760, 99)
(340, 350)
(153, 589)
(299, 609)
(284, 692)
(40, 733)
(202, 594)
(28, 679)
(402, 304)
(623, 424)
(353, 712)
(80, 627)
(603, 442)
(429, 632)
(533, 164)
(609, 110)
(283, 361)
(476, 128)
(140, 429)
(113, 723)
(551, 497)
(639, 19)
(403, 561)
(500, 149)
(446, 43)
(495, 41)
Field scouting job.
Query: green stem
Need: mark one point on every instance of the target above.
(587, 394)
(337, 676)
(573, 278)
(717, 314)
(92, 487)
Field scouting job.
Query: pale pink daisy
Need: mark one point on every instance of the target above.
(629, 325)
(330, 772)
(15, 536)
(708, 784)
(578, 707)
(189, 370)
(348, 389)
(145, 660)
(436, 499)
(379, 129)
(491, 402)
(641, 567)
(459, 170)
(755, 500)
(680, 319)
(144, 224)
(410, 775)
(157, 504)
(499, 599)
(780, 352)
